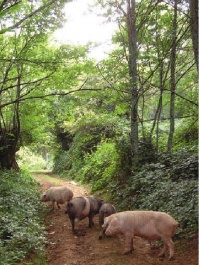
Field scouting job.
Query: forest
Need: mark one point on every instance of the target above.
(126, 126)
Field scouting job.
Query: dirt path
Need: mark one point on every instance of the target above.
(85, 248)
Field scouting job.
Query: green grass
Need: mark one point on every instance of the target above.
(52, 178)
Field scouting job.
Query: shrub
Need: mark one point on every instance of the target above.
(100, 167)
(21, 229)
(87, 136)
(62, 162)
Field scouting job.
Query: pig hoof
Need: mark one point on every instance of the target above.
(126, 252)
(100, 237)
(161, 256)
(81, 233)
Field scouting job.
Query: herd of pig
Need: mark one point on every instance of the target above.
(150, 225)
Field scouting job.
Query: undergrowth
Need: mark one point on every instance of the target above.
(161, 182)
(170, 185)
(21, 222)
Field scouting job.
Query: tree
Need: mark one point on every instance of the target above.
(194, 26)
(133, 51)
(164, 60)
(165, 73)
(19, 14)
(173, 78)
(128, 12)
(30, 68)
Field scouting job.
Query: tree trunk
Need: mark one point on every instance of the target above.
(9, 134)
(194, 27)
(172, 80)
(8, 149)
(132, 39)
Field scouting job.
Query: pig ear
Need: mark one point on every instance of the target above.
(70, 204)
(115, 223)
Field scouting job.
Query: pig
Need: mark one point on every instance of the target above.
(59, 195)
(150, 225)
(81, 207)
(106, 210)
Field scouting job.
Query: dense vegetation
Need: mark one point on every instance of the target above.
(162, 182)
(21, 223)
(127, 125)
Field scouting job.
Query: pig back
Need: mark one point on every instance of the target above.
(78, 207)
(148, 224)
(95, 204)
(59, 194)
(67, 194)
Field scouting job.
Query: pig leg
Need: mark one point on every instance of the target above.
(162, 253)
(171, 249)
(58, 205)
(129, 244)
(168, 243)
(101, 219)
(103, 229)
(53, 205)
(102, 233)
(91, 222)
(72, 223)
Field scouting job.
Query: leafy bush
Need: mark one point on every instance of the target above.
(186, 134)
(100, 167)
(21, 229)
(62, 162)
(87, 135)
(182, 164)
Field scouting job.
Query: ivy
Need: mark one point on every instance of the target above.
(170, 187)
(21, 228)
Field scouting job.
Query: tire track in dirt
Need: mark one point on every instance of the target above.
(66, 248)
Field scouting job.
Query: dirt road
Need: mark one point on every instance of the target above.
(84, 248)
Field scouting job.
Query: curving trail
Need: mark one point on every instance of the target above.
(84, 248)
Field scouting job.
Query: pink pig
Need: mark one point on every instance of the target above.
(150, 225)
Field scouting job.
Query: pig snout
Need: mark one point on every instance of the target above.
(108, 232)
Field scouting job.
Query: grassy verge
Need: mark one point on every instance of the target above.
(48, 176)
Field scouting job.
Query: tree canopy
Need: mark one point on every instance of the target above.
(150, 80)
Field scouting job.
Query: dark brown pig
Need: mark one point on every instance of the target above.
(81, 207)
(150, 225)
(106, 210)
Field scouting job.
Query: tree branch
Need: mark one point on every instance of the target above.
(22, 98)
(27, 17)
